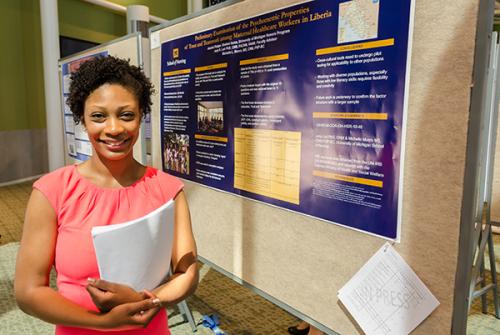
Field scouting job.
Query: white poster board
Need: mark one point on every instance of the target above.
(77, 147)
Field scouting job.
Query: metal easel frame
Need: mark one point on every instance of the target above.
(472, 199)
(483, 234)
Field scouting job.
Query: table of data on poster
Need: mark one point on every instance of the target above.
(302, 108)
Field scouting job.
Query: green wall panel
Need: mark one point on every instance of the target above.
(21, 82)
(84, 21)
(33, 65)
(101, 25)
(166, 9)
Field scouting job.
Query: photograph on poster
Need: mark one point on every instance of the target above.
(210, 117)
(358, 20)
(75, 65)
(176, 152)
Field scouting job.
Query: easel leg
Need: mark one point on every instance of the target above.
(482, 276)
(493, 269)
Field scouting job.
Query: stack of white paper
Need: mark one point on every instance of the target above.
(386, 296)
(136, 253)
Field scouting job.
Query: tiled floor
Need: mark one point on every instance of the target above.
(13, 200)
(241, 311)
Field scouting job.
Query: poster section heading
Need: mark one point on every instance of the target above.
(301, 108)
(77, 142)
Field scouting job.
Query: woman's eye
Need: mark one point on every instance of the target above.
(128, 116)
(97, 116)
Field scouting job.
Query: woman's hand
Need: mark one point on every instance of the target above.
(135, 314)
(107, 295)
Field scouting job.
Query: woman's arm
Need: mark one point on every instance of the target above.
(34, 262)
(184, 279)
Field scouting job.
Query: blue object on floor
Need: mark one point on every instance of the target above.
(212, 322)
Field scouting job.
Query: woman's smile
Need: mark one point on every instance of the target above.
(114, 145)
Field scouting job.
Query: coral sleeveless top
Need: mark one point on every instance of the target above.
(81, 205)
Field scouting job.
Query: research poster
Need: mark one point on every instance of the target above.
(302, 108)
(77, 142)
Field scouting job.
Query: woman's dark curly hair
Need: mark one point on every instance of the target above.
(107, 70)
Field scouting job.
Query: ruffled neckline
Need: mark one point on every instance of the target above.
(149, 171)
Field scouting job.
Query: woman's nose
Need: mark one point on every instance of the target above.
(114, 126)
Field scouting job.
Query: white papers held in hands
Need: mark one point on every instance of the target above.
(136, 253)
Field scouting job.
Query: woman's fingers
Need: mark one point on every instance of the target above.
(133, 314)
(142, 306)
(94, 291)
(142, 312)
(100, 298)
(107, 295)
(148, 294)
(101, 284)
(144, 317)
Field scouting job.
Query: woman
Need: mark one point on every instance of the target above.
(110, 97)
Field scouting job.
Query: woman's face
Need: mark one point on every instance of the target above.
(112, 119)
